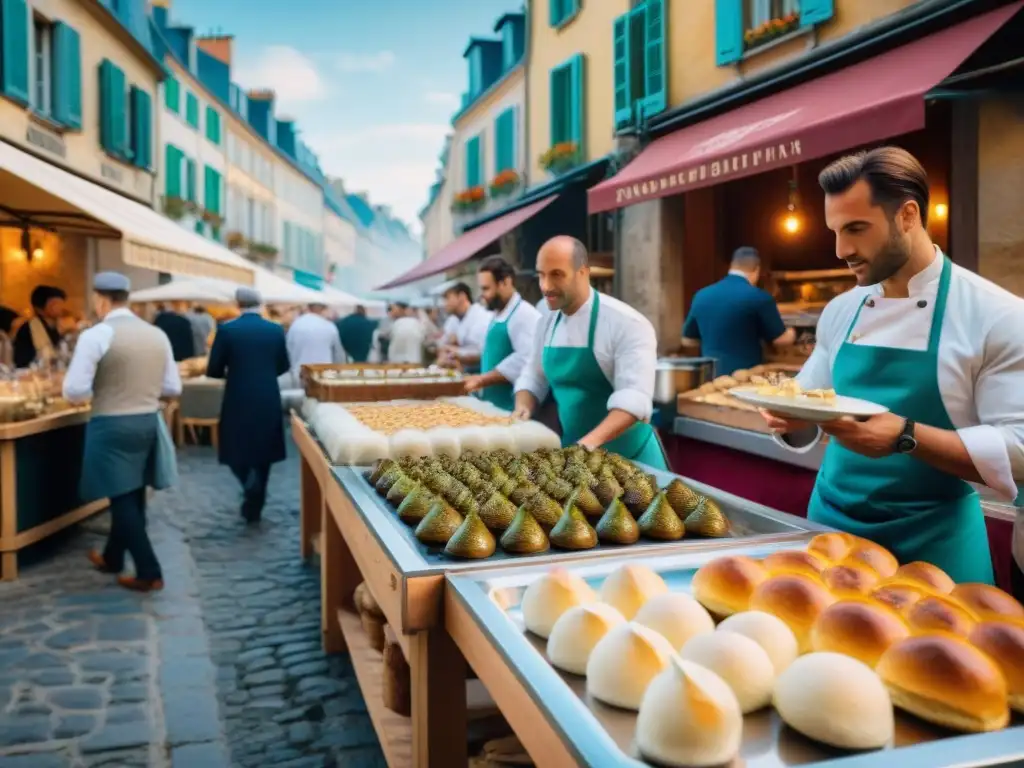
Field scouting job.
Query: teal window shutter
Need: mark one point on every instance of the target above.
(476, 71)
(192, 109)
(14, 30)
(67, 76)
(473, 162)
(578, 110)
(172, 94)
(504, 141)
(728, 31)
(172, 171)
(555, 11)
(561, 104)
(816, 11)
(142, 128)
(656, 86)
(623, 92)
(113, 122)
(212, 125)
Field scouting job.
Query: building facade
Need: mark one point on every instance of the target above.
(436, 216)
(339, 236)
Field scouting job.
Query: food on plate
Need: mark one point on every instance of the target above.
(1003, 642)
(900, 594)
(939, 613)
(624, 662)
(689, 718)
(708, 520)
(725, 585)
(738, 660)
(607, 489)
(629, 586)
(836, 700)
(945, 680)
(850, 579)
(860, 628)
(874, 556)
(796, 599)
(524, 536)
(831, 546)
(637, 494)
(791, 389)
(547, 598)
(660, 522)
(497, 511)
(402, 488)
(587, 502)
(675, 616)
(988, 601)
(577, 631)
(927, 574)
(617, 525)
(415, 506)
(769, 632)
(572, 531)
(681, 497)
(472, 540)
(439, 524)
(795, 561)
(379, 468)
(544, 509)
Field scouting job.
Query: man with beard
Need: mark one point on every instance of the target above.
(597, 355)
(941, 349)
(509, 337)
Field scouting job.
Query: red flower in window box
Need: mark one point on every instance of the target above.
(770, 30)
(561, 157)
(469, 199)
(504, 183)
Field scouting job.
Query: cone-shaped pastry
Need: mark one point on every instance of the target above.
(416, 505)
(439, 524)
(379, 469)
(587, 502)
(617, 525)
(637, 495)
(439, 482)
(400, 489)
(595, 460)
(472, 541)
(389, 478)
(559, 490)
(607, 489)
(544, 509)
(572, 531)
(707, 519)
(497, 512)
(660, 522)
(524, 536)
(522, 491)
(682, 498)
(465, 503)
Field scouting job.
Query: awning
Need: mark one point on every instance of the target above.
(469, 244)
(149, 240)
(273, 289)
(867, 102)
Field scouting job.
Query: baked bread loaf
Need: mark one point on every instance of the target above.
(988, 602)
(850, 579)
(742, 663)
(577, 632)
(836, 700)
(945, 680)
(624, 662)
(900, 594)
(939, 613)
(676, 617)
(628, 587)
(547, 598)
(770, 632)
(725, 585)
(929, 575)
(862, 629)
(834, 547)
(795, 561)
(873, 555)
(1003, 642)
(796, 599)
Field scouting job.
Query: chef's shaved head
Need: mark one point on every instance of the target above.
(563, 268)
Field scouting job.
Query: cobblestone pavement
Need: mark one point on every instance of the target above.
(223, 668)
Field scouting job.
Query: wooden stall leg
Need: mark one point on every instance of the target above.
(8, 510)
(310, 508)
(9, 566)
(339, 577)
(439, 712)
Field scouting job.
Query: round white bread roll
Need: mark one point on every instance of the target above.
(547, 598)
(836, 700)
(770, 632)
(689, 717)
(675, 616)
(738, 660)
(624, 662)
(577, 631)
(629, 587)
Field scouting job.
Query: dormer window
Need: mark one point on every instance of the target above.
(476, 70)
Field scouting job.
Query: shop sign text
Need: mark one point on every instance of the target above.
(44, 139)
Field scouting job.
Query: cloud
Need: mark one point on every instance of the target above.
(288, 72)
(442, 98)
(366, 62)
(389, 138)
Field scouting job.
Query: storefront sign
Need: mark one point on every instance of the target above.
(108, 171)
(43, 138)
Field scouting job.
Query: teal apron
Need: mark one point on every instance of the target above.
(916, 511)
(581, 392)
(497, 347)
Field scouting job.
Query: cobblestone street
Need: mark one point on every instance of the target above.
(223, 668)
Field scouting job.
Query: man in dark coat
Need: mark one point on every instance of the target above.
(39, 338)
(356, 331)
(179, 330)
(250, 353)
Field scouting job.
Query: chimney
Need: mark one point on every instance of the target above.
(218, 46)
(261, 94)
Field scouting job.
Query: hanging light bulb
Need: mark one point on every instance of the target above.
(792, 222)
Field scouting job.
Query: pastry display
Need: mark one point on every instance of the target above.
(836, 700)
(739, 661)
(795, 561)
(576, 633)
(629, 587)
(860, 628)
(725, 585)
(471, 540)
(945, 680)
(834, 547)
(617, 525)
(796, 599)
(675, 616)
(878, 558)
(547, 598)
(624, 662)
(927, 574)
(899, 594)
(689, 718)
(660, 522)
(719, 391)
(769, 632)
(938, 613)
(988, 602)
(790, 389)
(1003, 642)
(524, 535)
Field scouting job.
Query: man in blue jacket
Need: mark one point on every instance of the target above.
(250, 353)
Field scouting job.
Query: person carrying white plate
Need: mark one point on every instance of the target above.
(937, 345)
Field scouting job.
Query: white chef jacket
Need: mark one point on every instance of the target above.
(625, 345)
(472, 331)
(522, 327)
(407, 337)
(313, 340)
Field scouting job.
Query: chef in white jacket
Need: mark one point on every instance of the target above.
(942, 349)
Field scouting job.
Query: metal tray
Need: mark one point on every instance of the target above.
(753, 523)
(601, 736)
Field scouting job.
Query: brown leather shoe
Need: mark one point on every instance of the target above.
(140, 585)
(99, 563)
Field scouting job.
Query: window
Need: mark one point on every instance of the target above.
(505, 141)
(758, 12)
(172, 94)
(474, 170)
(561, 12)
(211, 190)
(15, 44)
(114, 112)
(212, 125)
(567, 104)
(141, 128)
(42, 38)
(190, 180)
(601, 233)
(738, 23)
(172, 171)
(639, 49)
(192, 109)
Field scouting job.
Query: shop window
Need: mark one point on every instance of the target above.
(561, 12)
(640, 69)
(42, 42)
(601, 233)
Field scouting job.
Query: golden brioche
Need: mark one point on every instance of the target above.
(831, 546)
(850, 579)
(796, 599)
(900, 594)
(929, 575)
(1003, 642)
(861, 628)
(939, 613)
(945, 680)
(874, 556)
(988, 602)
(795, 561)
(724, 586)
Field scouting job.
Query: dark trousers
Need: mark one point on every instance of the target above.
(1016, 580)
(128, 534)
(254, 485)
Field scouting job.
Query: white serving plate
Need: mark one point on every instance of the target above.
(810, 408)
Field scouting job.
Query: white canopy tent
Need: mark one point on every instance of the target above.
(341, 300)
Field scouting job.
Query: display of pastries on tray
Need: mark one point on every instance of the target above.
(837, 638)
(390, 418)
(717, 391)
(568, 499)
(361, 376)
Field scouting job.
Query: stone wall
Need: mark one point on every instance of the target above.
(1000, 181)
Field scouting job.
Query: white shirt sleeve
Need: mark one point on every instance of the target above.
(171, 386)
(532, 378)
(478, 322)
(522, 328)
(635, 350)
(92, 345)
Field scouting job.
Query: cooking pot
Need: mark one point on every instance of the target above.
(674, 375)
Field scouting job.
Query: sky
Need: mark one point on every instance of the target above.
(372, 84)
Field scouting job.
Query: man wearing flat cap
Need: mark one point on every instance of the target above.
(124, 365)
(250, 353)
(39, 338)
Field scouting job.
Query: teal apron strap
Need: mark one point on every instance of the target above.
(940, 307)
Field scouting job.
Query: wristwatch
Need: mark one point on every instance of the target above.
(906, 443)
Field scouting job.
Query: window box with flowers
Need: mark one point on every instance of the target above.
(771, 30)
(505, 183)
(562, 157)
(469, 200)
(175, 208)
(262, 249)
(237, 241)
(212, 218)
